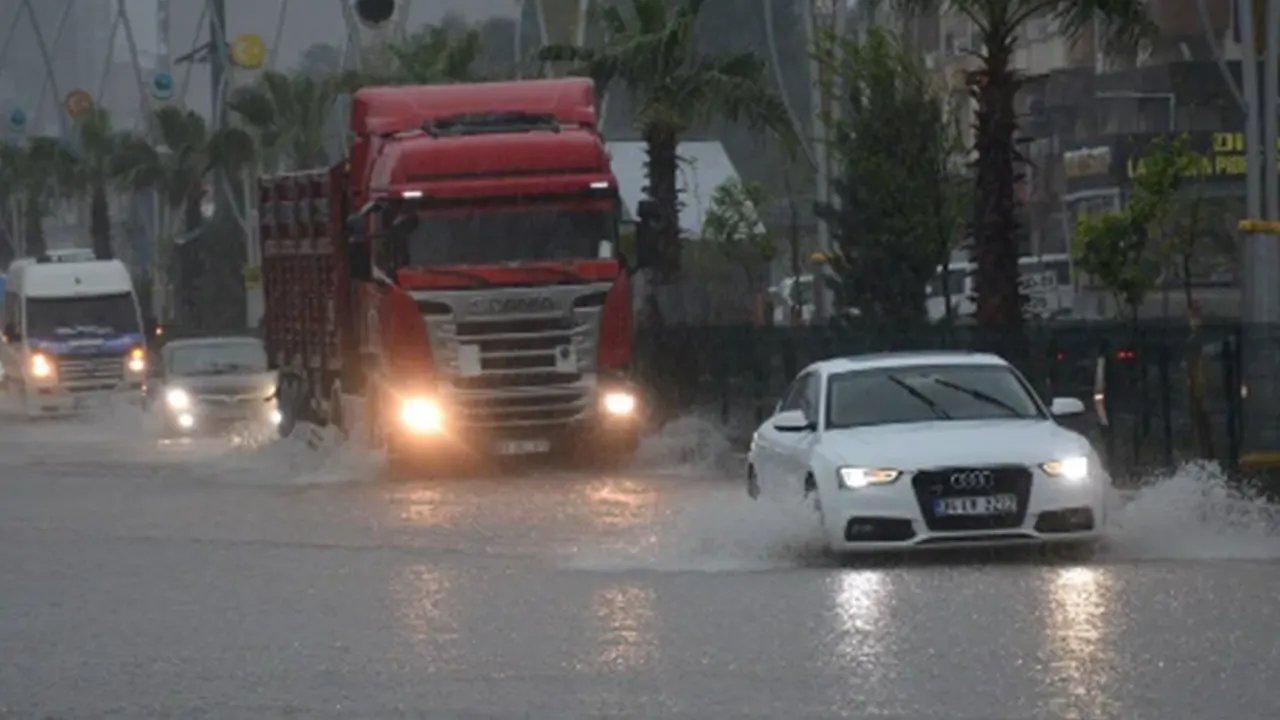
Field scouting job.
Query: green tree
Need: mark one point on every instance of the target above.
(994, 87)
(289, 115)
(900, 202)
(176, 167)
(94, 159)
(9, 194)
(654, 55)
(42, 171)
(733, 227)
(434, 54)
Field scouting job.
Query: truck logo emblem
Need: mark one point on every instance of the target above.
(512, 306)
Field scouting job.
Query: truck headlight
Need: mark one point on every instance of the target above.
(853, 478)
(178, 399)
(41, 366)
(137, 361)
(422, 416)
(619, 403)
(1074, 468)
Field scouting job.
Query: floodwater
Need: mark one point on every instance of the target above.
(253, 579)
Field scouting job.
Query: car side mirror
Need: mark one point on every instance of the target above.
(1066, 407)
(792, 421)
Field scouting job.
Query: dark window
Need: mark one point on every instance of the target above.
(84, 316)
(485, 236)
(927, 393)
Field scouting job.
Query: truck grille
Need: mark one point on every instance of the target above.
(95, 371)
(510, 370)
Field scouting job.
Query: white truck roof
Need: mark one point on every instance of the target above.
(68, 279)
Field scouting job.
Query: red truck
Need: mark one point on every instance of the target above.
(460, 271)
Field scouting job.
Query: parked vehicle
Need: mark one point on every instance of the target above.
(460, 272)
(209, 385)
(1045, 280)
(907, 450)
(72, 332)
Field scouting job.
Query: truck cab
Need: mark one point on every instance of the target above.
(72, 332)
(490, 309)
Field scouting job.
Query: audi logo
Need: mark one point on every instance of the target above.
(973, 480)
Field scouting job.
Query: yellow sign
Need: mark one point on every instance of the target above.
(78, 104)
(1266, 227)
(248, 51)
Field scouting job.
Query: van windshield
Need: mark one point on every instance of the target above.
(100, 316)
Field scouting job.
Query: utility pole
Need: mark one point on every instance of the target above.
(1260, 260)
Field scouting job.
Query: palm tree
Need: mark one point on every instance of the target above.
(99, 145)
(994, 86)
(289, 114)
(433, 54)
(176, 169)
(41, 171)
(653, 53)
(8, 197)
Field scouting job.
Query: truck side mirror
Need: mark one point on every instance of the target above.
(646, 240)
(359, 264)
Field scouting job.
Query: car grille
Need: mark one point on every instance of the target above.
(934, 484)
(534, 369)
(95, 370)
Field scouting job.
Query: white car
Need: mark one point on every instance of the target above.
(904, 450)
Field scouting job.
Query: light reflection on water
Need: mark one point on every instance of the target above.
(619, 503)
(862, 621)
(423, 599)
(1079, 637)
(624, 617)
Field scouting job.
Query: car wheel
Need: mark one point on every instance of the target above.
(753, 483)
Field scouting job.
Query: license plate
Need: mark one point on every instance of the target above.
(522, 447)
(1003, 504)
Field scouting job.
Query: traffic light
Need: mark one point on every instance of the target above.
(375, 12)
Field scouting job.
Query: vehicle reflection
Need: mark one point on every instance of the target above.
(861, 621)
(1078, 632)
(624, 617)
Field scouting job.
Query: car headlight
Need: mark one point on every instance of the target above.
(178, 399)
(41, 366)
(423, 416)
(619, 403)
(1075, 468)
(186, 421)
(852, 478)
(137, 361)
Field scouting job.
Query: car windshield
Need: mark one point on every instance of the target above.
(99, 316)
(927, 393)
(239, 356)
(486, 236)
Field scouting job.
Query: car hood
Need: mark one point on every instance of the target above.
(233, 385)
(918, 446)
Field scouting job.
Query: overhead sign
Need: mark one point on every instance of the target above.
(78, 103)
(248, 51)
(162, 86)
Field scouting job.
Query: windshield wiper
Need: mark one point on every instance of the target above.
(937, 410)
(979, 395)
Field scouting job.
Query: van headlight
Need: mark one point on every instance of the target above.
(41, 366)
(853, 478)
(1074, 468)
(422, 416)
(137, 361)
(178, 399)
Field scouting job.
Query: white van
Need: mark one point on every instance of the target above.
(1045, 280)
(71, 331)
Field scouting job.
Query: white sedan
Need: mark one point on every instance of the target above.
(919, 449)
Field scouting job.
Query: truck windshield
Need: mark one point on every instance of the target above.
(237, 356)
(486, 236)
(99, 316)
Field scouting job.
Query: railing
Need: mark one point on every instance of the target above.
(1140, 371)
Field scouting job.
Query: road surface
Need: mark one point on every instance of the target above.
(139, 579)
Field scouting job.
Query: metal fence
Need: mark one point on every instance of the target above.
(1134, 378)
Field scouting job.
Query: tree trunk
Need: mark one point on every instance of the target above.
(999, 304)
(34, 214)
(1195, 367)
(100, 223)
(662, 143)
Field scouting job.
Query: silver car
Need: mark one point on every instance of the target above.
(209, 385)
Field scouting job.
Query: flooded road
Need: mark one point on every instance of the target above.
(139, 579)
